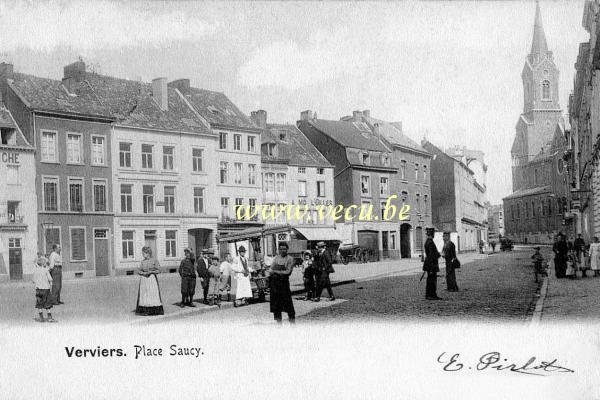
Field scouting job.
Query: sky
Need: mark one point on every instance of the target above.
(450, 71)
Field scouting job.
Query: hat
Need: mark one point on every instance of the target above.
(241, 249)
(429, 230)
(41, 261)
(207, 251)
(536, 248)
(321, 244)
(188, 250)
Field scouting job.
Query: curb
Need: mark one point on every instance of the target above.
(539, 305)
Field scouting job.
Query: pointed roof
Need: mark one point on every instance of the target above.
(539, 44)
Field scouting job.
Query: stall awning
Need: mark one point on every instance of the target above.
(251, 233)
(319, 233)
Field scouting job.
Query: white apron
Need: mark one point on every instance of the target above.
(240, 283)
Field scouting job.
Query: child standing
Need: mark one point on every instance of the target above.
(43, 282)
(308, 274)
(214, 284)
(538, 264)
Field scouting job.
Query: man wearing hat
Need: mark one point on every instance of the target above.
(188, 279)
(431, 265)
(323, 267)
(202, 266)
(241, 270)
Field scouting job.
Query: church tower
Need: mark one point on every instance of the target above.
(541, 109)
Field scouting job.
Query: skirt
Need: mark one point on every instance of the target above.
(43, 299)
(281, 295)
(148, 300)
(242, 286)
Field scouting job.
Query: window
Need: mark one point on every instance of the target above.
(238, 202)
(169, 199)
(320, 171)
(77, 244)
(76, 195)
(403, 169)
(13, 212)
(252, 205)
(168, 153)
(49, 153)
(426, 204)
(98, 150)
(301, 170)
(99, 195)
(546, 90)
(418, 202)
(197, 160)
(52, 236)
(302, 188)
(224, 207)
(125, 155)
(280, 183)
(272, 150)
(147, 156)
(126, 198)
(171, 243)
(536, 177)
(365, 185)
(223, 141)
(404, 196)
(269, 183)
(251, 174)
(382, 210)
(199, 200)
(252, 144)
(549, 207)
(127, 244)
(424, 173)
(148, 199)
(416, 172)
(50, 194)
(237, 169)
(74, 148)
(321, 188)
(224, 172)
(385, 160)
(365, 158)
(383, 185)
(237, 142)
(532, 209)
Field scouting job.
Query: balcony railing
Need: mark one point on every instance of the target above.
(12, 219)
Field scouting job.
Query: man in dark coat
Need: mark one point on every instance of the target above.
(561, 252)
(431, 266)
(188, 279)
(202, 266)
(579, 246)
(449, 251)
(323, 267)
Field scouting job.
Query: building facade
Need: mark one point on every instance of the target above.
(495, 222)
(18, 208)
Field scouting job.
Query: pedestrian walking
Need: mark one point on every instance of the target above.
(241, 276)
(43, 284)
(595, 256)
(214, 286)
(481, 244)
(56, 266)
(538, 264)
(493, 244)
(449, 254)
(308, 275)
(279, 282)
(188, 279)
(323, 267)
(561, 252)
(431, 265)
(202, 266)
(149, 301)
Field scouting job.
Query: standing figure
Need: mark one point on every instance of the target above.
(308, 275)
(561, 252)
(148, 299)
(43, 282)
(202, 265)
(188, 279)
(538, 264)
(56, 265)
(449, 253)
(323, 267)
(579, 245)
(225, 269)
(214, 286)
(493, 244)
(279, 282)
(595, 256)
(241, 270)
(431, 266)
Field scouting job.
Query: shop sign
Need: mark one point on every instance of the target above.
(9, 157)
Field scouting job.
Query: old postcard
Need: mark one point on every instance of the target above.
(292, 200)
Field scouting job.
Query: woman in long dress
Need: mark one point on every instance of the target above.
(240, 278)
(148, 299)
(595, 256)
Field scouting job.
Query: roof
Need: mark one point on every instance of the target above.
(538, 44)
(296, 148)
(7, 121)
(216, 108)
(528, 192)
(51, 95)
(350, 134)
(392, 132)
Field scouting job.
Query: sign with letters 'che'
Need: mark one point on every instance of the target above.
(11, 157)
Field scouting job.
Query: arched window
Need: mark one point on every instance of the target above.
(546, 90)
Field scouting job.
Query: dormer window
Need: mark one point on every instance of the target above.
(282, 135)
(8, 136)
(272, 150)
(385, 159)
(365, 158)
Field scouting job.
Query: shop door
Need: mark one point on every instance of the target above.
(15, 259)
(150, 241)
(369, 240)
(101, 252)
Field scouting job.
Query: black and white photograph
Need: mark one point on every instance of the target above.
(273, 199)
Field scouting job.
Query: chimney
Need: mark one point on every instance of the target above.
(6, 70)
(259, 118)
(306, 115)
(357, 116)
(367, 113)
(183, 85)
(160, 93)
(73, 73)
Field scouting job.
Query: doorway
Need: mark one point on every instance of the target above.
(405, 250)
(199, 239)
(101, 252)
(370, 240)
(15, 258)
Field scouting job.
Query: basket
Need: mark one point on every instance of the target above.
(262, 283)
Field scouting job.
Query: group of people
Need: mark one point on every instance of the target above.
(47, 278)
(431, 264)
(573, 256)
(315, 272)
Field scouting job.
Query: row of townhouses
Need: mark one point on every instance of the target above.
(104, 166)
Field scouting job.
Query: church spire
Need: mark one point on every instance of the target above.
(538, 45)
